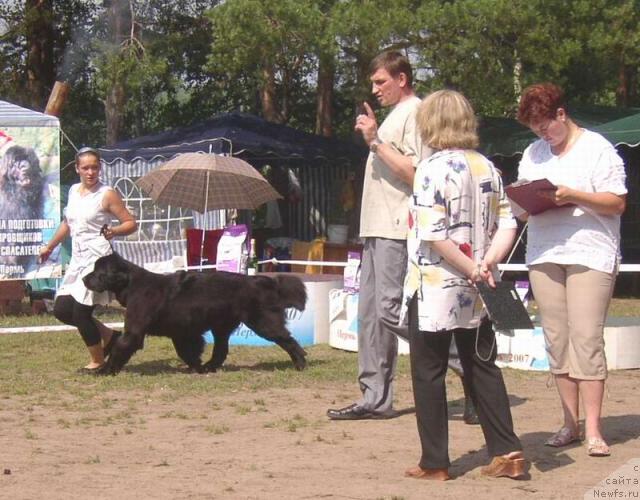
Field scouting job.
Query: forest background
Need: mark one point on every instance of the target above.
(142, 66)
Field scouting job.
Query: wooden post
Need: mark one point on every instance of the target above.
(57, 99)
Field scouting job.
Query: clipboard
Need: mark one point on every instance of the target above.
(525, 194)
(506, 310)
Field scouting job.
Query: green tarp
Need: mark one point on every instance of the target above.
(503, 136)
(624, 131)
(507, 137)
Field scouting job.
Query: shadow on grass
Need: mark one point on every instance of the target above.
(167, 366)
(271, 366)
(155, 367)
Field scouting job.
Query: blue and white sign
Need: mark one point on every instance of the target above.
(300, 324)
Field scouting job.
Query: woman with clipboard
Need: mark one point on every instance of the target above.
(573, 253)
(460, 227)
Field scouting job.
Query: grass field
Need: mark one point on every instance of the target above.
(43, 365)
(257, 428)
(57, 351)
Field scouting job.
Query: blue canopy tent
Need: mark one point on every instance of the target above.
(238, 134)
(315, 163)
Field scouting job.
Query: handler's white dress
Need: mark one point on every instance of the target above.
(85, 217)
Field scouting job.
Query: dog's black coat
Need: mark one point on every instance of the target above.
(183, 305)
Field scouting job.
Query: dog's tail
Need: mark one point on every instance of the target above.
(291, 291)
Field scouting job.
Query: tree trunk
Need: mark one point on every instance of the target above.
(626, 93)
(268, 97)
(40, 42)
(114, 112)
(517, 75)
(363, 85)
(622, 92)
(120, 24)
(324, 103)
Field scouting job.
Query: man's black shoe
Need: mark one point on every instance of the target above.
(470, 416)
(351, 412)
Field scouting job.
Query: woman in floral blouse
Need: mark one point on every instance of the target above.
(460, 227)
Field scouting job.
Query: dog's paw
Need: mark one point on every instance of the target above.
(209, 368)
(102, 371)
(106, 369)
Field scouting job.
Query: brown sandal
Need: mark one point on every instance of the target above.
(418, 472)
(503, 466)
(562, 438)
(597, 447)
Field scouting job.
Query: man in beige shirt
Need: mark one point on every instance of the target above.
(395, 149)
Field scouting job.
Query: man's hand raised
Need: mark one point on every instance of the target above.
(367, 124)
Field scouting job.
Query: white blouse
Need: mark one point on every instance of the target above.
(575, 234)
(85, 216)
(458, 195)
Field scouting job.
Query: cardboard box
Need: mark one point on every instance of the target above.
(622, 343)
(522, 349)
(11, 294)
(343, 322)
(526, 349)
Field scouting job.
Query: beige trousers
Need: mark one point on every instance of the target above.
(573, 301)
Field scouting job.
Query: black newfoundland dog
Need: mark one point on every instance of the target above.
(185, 304)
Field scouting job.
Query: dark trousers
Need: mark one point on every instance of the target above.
(429, 355)
(71, 312)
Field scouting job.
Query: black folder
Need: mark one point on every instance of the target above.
(506, 310)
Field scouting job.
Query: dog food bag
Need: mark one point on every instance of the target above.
(352, 273)
(231, 249)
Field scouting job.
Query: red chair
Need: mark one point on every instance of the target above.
(210, 249)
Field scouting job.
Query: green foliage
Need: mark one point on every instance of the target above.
(260, 43)
(489, 49)
(608, 33)
(189, 59)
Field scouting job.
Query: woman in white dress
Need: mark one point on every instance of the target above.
(91, 206)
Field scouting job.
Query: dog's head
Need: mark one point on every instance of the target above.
(110, 273)
(20, 169)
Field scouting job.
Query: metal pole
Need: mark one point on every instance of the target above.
(206, 203)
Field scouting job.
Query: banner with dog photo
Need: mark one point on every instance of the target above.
(29, 199)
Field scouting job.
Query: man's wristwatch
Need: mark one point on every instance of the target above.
(373, 147)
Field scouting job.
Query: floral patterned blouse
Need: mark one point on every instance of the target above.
(457, 195)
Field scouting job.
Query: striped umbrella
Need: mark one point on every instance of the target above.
(206, 181)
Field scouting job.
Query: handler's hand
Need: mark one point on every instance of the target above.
(487, 268)
(483, 273)
(44, 253)
(367, 124)
(562, 195)
(107, 232)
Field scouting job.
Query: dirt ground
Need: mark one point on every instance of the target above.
(278, 444)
